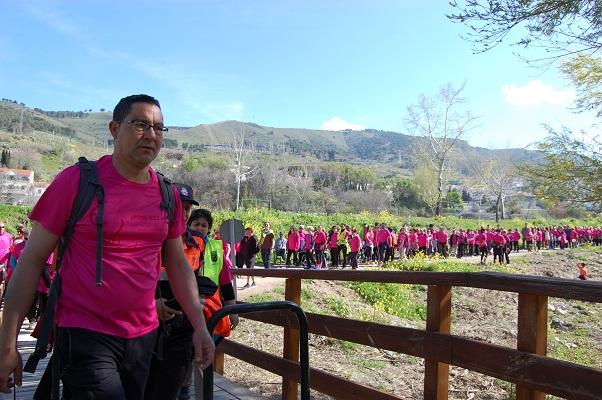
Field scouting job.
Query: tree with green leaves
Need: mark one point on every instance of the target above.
(571, 169)
(585, 72)
(560, 27)
(453, 200)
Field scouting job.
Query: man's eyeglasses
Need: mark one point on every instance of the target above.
(141, 127)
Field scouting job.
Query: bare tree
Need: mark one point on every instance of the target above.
(302, 188)
(426, 183)
(497, 177)
(241, 154)
(437, 124)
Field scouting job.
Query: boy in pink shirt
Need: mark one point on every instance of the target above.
(106, 332)
(355, 243)
(481, 242)
(320, 240)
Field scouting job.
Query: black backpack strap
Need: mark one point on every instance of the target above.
(168, 201)
(89, 188)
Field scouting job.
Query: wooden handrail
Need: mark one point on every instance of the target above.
(527, 367)
(538, 285)
(504, 363)
(322, 381)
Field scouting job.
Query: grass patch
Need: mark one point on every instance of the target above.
(585, 352)
(394, 299)
(420, 262)
(338, 306)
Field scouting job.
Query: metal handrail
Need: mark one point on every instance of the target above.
(244, 308)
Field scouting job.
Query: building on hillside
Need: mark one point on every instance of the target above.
(17, 186)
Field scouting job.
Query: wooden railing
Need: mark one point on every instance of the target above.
(526, 366)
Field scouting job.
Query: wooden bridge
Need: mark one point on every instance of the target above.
(527, 366)
(223, 389)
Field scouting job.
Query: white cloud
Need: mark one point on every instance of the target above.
(54, 19)
(536, 93)
(338, 124)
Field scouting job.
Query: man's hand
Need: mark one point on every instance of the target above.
(165, 313)
(10, 364)
(233, 321)
(204, 348)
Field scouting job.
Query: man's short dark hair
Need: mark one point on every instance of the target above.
(123, 108)
(201, 213)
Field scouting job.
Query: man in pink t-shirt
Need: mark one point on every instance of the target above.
(6, 240)
(106, 333)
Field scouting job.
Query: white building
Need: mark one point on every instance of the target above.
(17, 186)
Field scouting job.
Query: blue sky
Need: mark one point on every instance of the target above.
(300, 64)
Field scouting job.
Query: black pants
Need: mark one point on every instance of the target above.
(497, 253)
(334, 257)
(307, 259)
(294, 255)
(168, 370)
(353, 259)
(42, 300)
(460, 251)
(33, 310)
(99, 366)
(507, 254)
(484, 252)
(343, 254)
(382, 251)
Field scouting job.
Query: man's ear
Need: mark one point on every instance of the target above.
(114, 128)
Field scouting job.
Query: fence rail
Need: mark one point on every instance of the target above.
(527, 366)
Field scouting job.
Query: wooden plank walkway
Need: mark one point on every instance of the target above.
(223, 388)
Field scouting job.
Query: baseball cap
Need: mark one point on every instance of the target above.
(186, 193)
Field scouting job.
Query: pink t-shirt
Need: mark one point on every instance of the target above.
(6, 240)
(355, 243)
(294, 241)
(134, 229)
(41, 283)
(442, 237)
(226, 275)
(308, 241)
(369, 238)
(333, 242)
(319, 239)
(383, 236)
(498, 238)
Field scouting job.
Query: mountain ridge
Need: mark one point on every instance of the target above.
(357, 147)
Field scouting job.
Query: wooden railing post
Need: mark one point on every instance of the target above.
(218, 362)
(532, 334)
(438, 319)
(292, 292)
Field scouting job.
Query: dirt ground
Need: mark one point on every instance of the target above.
(489, 316)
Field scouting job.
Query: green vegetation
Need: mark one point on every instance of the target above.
(577, 345)
(281, 221)
(12, 216)
(392, 298)
(420, 262)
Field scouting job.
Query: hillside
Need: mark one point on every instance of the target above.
(356, 147)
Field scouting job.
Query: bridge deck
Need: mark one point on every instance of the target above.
(223, 388)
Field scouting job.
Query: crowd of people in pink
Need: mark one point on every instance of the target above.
(378, 244)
